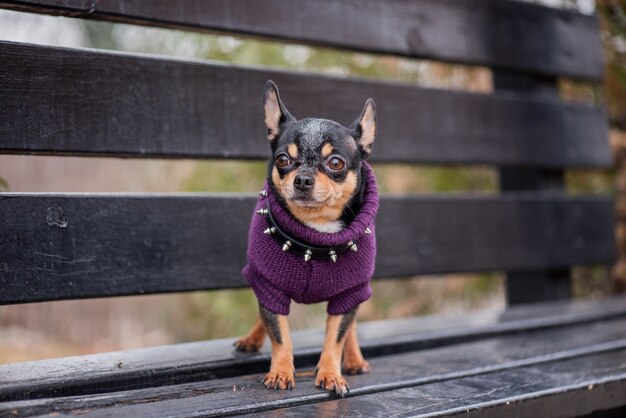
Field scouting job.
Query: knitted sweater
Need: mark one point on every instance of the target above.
(278, 276)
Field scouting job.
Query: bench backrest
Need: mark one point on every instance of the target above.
(57, 101)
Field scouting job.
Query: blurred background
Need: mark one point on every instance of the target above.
(54, 329)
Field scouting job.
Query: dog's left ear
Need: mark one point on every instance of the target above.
(364, 128)
(275, 112)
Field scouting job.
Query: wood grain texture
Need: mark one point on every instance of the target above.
(496, 33)
(528, 286)
(76, 246)
(210, 360)
(392, 374)
(94, 103)
(561, 389)
(558, 359)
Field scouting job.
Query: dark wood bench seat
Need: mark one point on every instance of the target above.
(445, 364)
(551, 358)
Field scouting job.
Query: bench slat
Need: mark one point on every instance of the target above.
(562, 388)
(496, 33)
(490, 355)
(569, 388)
(215, 359)
(93, 103)
(76, 246)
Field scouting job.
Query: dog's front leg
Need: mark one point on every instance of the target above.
(329, 367)
(282, 372)
(353, 361)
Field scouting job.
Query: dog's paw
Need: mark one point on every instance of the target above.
(248, 344)
(352, 368)
(333, 382)
(280, 379)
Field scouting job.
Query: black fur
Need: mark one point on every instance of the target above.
(271, 324)
(346, 321)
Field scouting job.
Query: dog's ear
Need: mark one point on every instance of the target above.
(364, 128)
(276, 113)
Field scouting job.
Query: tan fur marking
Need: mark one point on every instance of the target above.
(329, 367)
(334, 197)
(285, 185)
(327, 149)
(331, 197)
(292, 150)
(254, 340)
(353, 361)
(282, 372)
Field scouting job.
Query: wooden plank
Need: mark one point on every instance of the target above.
(60, 246)
(391, 374)
(215, 359)
(571, 388)
(528, 286)
(94, 103)
(495, 33)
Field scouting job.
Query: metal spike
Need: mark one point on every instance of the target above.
(286, 245)
(307, 255)
(262, 211)
(333, 256)
(263, 193)
(352, 246)
(368, 231)
(270, 230)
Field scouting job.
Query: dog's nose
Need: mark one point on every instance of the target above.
(303, 182)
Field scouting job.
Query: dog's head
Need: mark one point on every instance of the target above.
(316, 163)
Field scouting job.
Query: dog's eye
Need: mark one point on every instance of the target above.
(336, 164)
(282, 161)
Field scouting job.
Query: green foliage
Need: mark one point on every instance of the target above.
(4, 185)
(468, 180)
(589, 182)
(430, 294)
(403, 179)
(591, 281)
(218, 314)
(613, 17)
(226, 176)
(99, 35)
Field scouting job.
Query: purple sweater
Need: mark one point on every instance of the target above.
(277, 277)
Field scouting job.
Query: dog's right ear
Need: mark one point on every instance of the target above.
(276, 113)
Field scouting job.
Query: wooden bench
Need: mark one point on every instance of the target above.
(552, 358)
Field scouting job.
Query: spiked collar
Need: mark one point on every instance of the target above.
(295, 237)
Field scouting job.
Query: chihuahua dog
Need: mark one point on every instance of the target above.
(312, 238)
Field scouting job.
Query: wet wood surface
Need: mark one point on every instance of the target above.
(517, 368)
(210, 360)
